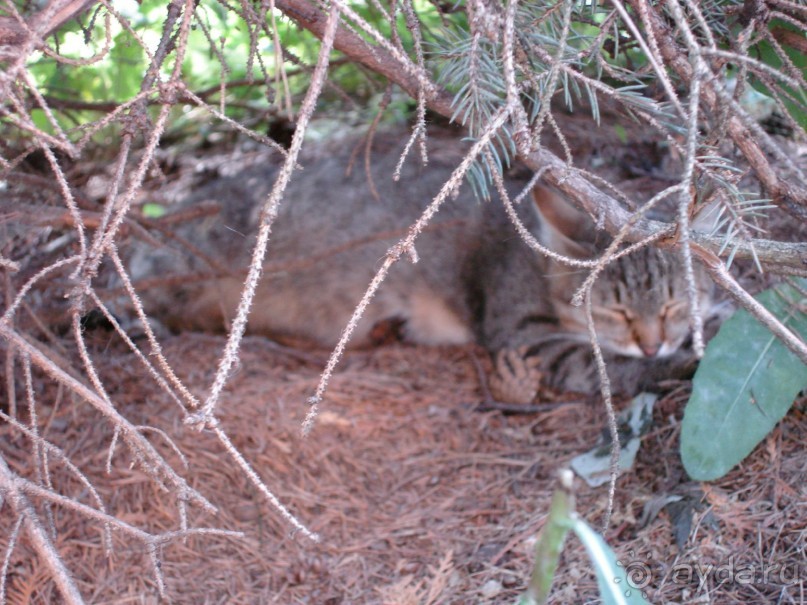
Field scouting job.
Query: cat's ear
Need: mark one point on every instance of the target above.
(564, 229)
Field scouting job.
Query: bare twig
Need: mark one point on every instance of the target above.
(605, 391)
(721, 276)
(143, 451)
(257, 482)
(10, 485)
(12, 544)
(688, 183)
(268, 215)
(406, 245)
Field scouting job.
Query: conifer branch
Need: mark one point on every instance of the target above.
(605, 207)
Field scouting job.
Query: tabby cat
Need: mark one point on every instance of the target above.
(476, 279)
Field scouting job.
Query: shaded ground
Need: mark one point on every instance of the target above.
(418, 497)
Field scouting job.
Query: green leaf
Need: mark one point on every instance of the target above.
(769, 55)
(745, 384)
(549, 546)
(619, 584)
(616, 588)
(128, 59)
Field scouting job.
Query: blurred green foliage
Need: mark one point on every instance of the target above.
(219, 47)
(767, 54)
(223, 47)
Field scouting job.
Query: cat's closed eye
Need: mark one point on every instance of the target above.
(616, 313)
(626, 313)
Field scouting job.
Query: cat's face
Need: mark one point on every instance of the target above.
(639, 304)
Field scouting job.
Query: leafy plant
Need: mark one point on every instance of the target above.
(745, 384)
(614, 584)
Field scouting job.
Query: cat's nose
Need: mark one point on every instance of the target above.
(649, 350)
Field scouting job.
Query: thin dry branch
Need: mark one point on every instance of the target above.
(144, 453)
(721, 276)
(268, 214)
(607, 398)
(10, 486)
(16, 33)
(405, 246)
(11, 545)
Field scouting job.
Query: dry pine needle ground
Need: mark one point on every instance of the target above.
(418, 497)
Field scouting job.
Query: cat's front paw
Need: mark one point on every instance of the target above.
(516, 377)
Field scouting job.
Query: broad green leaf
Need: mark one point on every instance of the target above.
(745, 384)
